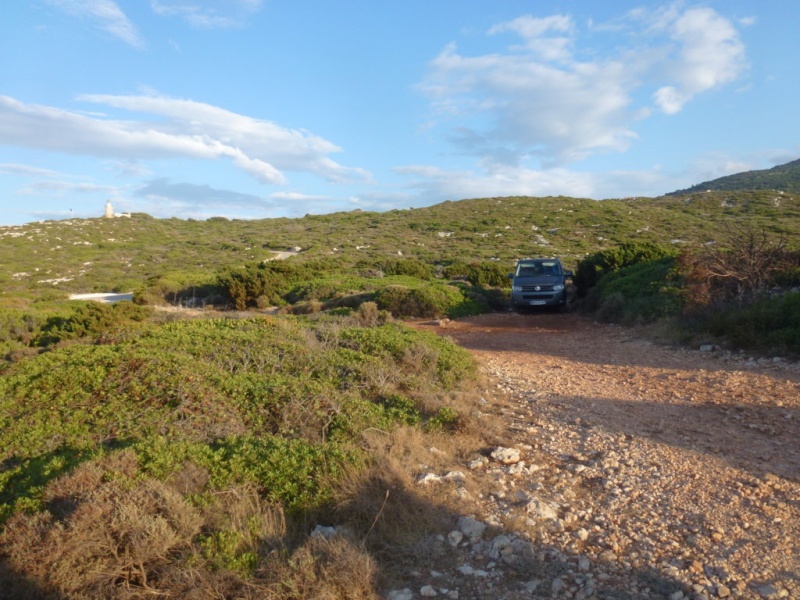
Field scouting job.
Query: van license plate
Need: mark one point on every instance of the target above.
(538, 302)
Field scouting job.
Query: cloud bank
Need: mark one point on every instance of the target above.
(544, 99)
(188, 129)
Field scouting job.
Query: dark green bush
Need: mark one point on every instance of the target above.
(769, 324)
(91, 319)
(405, 266)
(279, 402)
(641, 292)
(480, 273)
(268, 283)
(592, 268)
(426, 301)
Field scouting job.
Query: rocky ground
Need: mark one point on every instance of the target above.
(623, 470)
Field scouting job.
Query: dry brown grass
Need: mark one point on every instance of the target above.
(101, 534)
(110, 532)
(324, 569)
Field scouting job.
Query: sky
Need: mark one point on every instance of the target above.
(255, 109)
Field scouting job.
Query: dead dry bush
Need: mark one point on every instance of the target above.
(104, 536)
(324, 569)
(739, 266)
(385, 511)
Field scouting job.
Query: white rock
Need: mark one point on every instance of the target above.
(471, 528)
(428, 478)
(465, 570)
(499, 544)
(540, 509)
(531, 585)
(477, 463)
(455, 537)
(404, 594)
(517, 469)
(427, 591)
(506, 456)
(584, 564)
(463, 493)
(324, 532)
(456, 476)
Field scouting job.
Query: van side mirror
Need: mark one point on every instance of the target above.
(568, 274)
(511, 276)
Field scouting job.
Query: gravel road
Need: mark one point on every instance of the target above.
(630, 470)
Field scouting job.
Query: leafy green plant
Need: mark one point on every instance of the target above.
(427, 300)
(641, 292)
(769, 324)
(90, 319)
(592, 268)
(275, 402)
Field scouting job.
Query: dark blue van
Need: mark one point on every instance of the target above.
(540, 282)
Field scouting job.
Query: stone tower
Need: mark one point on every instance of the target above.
(109, 214)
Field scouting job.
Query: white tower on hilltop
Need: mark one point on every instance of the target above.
(109, 214)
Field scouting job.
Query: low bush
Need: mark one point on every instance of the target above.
(90, 319)
(223, 394)
(642, 292)
(592, 268)
(408, 267)
(770, 324)
(485, 274)
(206, 447)
(425, 301)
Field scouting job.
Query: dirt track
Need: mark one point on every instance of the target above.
(678, 462)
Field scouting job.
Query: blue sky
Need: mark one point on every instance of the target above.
(271, 108)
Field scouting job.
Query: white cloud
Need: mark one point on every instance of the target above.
(27, 171)
(497, 181)
(558, 113)
(62, 187)
(297, 197)
(207, 14)
(255, 144)
(709, 55)
(539, 100)
(106, 16)
(535, 34)
(261, 149)
(199, 197)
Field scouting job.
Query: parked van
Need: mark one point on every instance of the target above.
(541, 282)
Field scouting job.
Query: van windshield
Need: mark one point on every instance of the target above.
(537, 269)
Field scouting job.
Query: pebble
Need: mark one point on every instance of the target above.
(506, 456)
(427, 591)
(593, 506)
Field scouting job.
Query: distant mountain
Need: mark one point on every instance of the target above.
(784, 178)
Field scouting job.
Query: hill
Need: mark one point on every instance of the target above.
(107, 255)
(783, 178)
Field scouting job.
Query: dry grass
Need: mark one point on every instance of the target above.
(322, 569)
(110, 532)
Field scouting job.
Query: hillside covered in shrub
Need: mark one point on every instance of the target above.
(151, 451)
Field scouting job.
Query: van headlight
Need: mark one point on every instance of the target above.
(558, 288)
(516, 288)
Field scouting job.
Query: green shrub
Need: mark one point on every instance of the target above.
(641, 292)
(278, 402)
(480, 273)
(90, 319)
(768, 324)
(592, 268)
(426, 301)
(409, 267)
